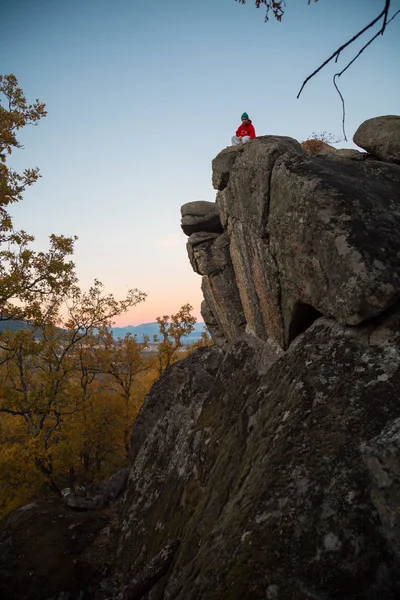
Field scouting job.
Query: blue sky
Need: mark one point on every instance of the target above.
(143, 94)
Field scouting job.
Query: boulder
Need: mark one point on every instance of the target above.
(247, 195)
(352, 153)
(334, 233)
(272, 459)
(381, 137)
(99, 495)
(43, 552)
(208, 252)
(200, 216)
(343, 154)
(222, 165)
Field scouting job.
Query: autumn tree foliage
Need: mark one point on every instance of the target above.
(69, 392)
(171, 331)
(69, 396)
(27, 278)
(129, 376)
(49, 371)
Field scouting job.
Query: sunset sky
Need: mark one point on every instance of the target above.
(141, 95)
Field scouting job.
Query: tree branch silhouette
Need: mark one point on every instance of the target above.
(337, 75)
(335, 56)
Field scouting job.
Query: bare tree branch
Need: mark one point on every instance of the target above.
(380, 32)
(382, 15)
(337, 75)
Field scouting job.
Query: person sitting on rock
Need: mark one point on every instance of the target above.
(245, 132)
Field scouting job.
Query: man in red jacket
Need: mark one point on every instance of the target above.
(245, 131)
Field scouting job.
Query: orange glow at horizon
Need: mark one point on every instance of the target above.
(146, 312)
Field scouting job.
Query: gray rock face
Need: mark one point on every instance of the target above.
(381, 137)
(153, 571)
(333, 232)
(257, 467)
(209, 256)
(222, 165)
(212, 325)
(344, 154)
(200, 216)
(208, 252)
(100, 495)
(221, 294)
(247, 195)
(307, 236)
(351, 153)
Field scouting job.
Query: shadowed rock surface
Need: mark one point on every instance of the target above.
(269, 492)
(42, 552)
(98, 496)
(154, 570)
(200, 216)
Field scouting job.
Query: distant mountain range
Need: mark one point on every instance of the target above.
(150, 329)
(146, 329)
(13, 325)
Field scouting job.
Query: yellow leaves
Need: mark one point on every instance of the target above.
(172, 329)
(72, 401)
(18, 477)
(68, 398)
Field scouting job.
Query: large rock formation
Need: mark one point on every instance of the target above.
(273, 458)
(268, 465)
(308, 236)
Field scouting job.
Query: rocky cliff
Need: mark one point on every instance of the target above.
(273, 458)
(268, 465)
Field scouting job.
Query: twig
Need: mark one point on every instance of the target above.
(337, 52)
(366, 45)
(343, 107)
(387, 6)
(337, 75)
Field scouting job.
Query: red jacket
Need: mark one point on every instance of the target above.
(246, 130)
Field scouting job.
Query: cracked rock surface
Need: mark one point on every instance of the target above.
(257, 466)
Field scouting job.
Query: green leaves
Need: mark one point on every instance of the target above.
(29, 281)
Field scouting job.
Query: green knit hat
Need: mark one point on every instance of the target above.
(244, 116)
